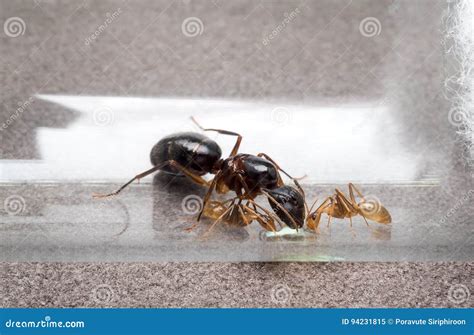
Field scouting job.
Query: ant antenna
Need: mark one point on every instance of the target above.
(312, 206)
(197, 123)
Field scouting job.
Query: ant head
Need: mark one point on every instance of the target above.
(313, 220)
(288, 204)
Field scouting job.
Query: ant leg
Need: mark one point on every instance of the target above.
(225, 132)
(353, 204)
(333, 206)
(352, 229)
(242, 215)
(245, 186)
(295, 180)
(249, 199)
(312, 206)
(267, 212)
(347, 205)
(208, 194)
(194, 177)
(266, 223)
(217, 214)
(137, 177)
(353, 189)
(329, 221)
(314, 224)
(382, 215)
(255, 205)
(325, 204)
(272, 216)
(366, 222)
(217, 221)
(307, 208)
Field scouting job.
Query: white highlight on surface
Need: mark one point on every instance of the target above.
(327, 143)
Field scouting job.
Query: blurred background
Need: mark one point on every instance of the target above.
(338, 90)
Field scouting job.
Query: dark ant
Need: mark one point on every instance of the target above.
(193, 155)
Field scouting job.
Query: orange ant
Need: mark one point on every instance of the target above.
(340, 207)
(237, 213)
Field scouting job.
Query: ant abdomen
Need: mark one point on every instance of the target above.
(197, 152)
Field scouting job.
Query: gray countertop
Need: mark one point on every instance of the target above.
(237, 284)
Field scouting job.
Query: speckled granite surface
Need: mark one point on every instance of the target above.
(236, 284)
